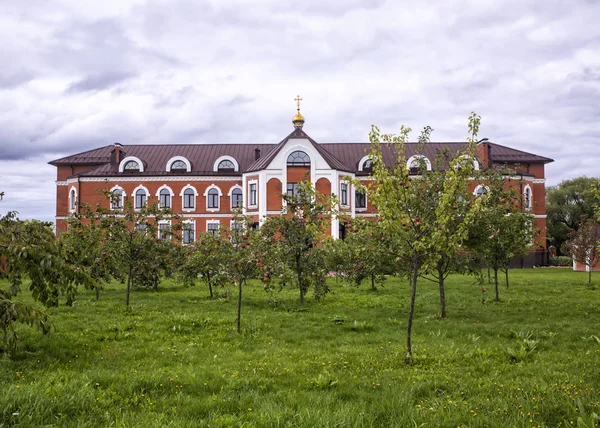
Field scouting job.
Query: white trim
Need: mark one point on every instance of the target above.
(362, 162)
(357, 209)
(72, 201)
(539, 216)
(62, 182)
(360, 214)
(348, 187)
(164, 186)
(174, 159)
(213, 221)
(123, 195)
(250, 182)
(230, 193)
(234, 178)
(208, 189)
(418, 158)
(181, 194)
(236, 166)
(167, 222)
(131, 158)
(140, 187)
(530, 205)
(481, 186)
(475, 161)
(539, 180)
(193, 223)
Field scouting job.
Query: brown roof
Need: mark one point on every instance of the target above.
(339, 156)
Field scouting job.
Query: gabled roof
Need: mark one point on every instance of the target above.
(98, 156)
(298, 133)
(499, 153)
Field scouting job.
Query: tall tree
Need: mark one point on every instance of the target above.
(583, 244)
(566, 203)
(419, 225)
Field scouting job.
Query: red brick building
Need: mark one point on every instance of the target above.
(206, 182)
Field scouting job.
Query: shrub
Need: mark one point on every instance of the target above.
(561, 261)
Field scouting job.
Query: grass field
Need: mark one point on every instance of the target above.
(176, 360)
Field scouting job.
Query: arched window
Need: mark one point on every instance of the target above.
(189, 199)
(226, 166)
(72, 200)
(116, 199)
(416, 164)
(236, 198)
(164, 198)
(464, 160)
(527, 197)
(212, 198)
(367, 166)
(481, 190)
(178, 166)
(132, 166)
(298, 158)
(141, 198)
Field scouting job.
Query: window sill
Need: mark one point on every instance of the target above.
(361, 209)
(188, 210)
(212, 210)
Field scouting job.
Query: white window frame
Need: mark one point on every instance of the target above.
(230, 194)
(123, 195)
(236, 166)
(361, 163)
(530, 205)
(183, 208)
(72, 199)
(140, 187)
(220, 194)
(418, 158)
(217, 222)
(131, 158)
(250, 183)
(174, 159)
(193, 229)
(485, 188)
(348, 187)
(356, 207)
(163, 187)
(472, 159)
(161, 222)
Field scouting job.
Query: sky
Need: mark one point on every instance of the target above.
(76, 75)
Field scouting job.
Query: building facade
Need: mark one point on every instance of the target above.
(205, 183)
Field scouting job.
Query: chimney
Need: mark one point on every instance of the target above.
(116, 155)
(483, 151)
(256, 154)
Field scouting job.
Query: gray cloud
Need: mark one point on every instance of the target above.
(96, 82)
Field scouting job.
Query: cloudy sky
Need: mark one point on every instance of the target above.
(80, 74)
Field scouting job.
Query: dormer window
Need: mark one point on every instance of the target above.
(368, 166)
(178, 166)
(417, 164)
(132, 166)
(226, 166)
(414, 167)
(298, 158)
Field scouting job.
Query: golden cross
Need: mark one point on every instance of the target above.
(298, 99)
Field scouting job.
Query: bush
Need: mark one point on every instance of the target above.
(561, 261)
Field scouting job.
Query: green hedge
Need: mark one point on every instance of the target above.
(561, 261)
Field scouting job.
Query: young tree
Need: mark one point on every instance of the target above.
(207, 258)
(294, 240)
(503, 230)
(419, 221)
(362, 254)
(583, 244)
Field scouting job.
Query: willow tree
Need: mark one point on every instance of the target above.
(419, 219)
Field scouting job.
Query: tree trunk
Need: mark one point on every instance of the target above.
(301, 287)
(442, 294)
(97, 292)
(373, 282)
(209, 285)
(496, 284)
(506, 273)
(239, 308)
(590, 276)
(489, 276)
(411, 311)
(128, 287)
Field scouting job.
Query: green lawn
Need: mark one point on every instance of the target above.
(176, 360)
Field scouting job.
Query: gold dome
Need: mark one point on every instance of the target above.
(298, 120)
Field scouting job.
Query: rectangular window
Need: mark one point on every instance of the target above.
(140, 227)
(164, 230)
(188, 232)
(361, 199)
(140, 199)
(344, 194)
(189, 199)
(253, 194)
(213, 200)
(165, 200)
(236, 199)
(212, 228)
(292, 189)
